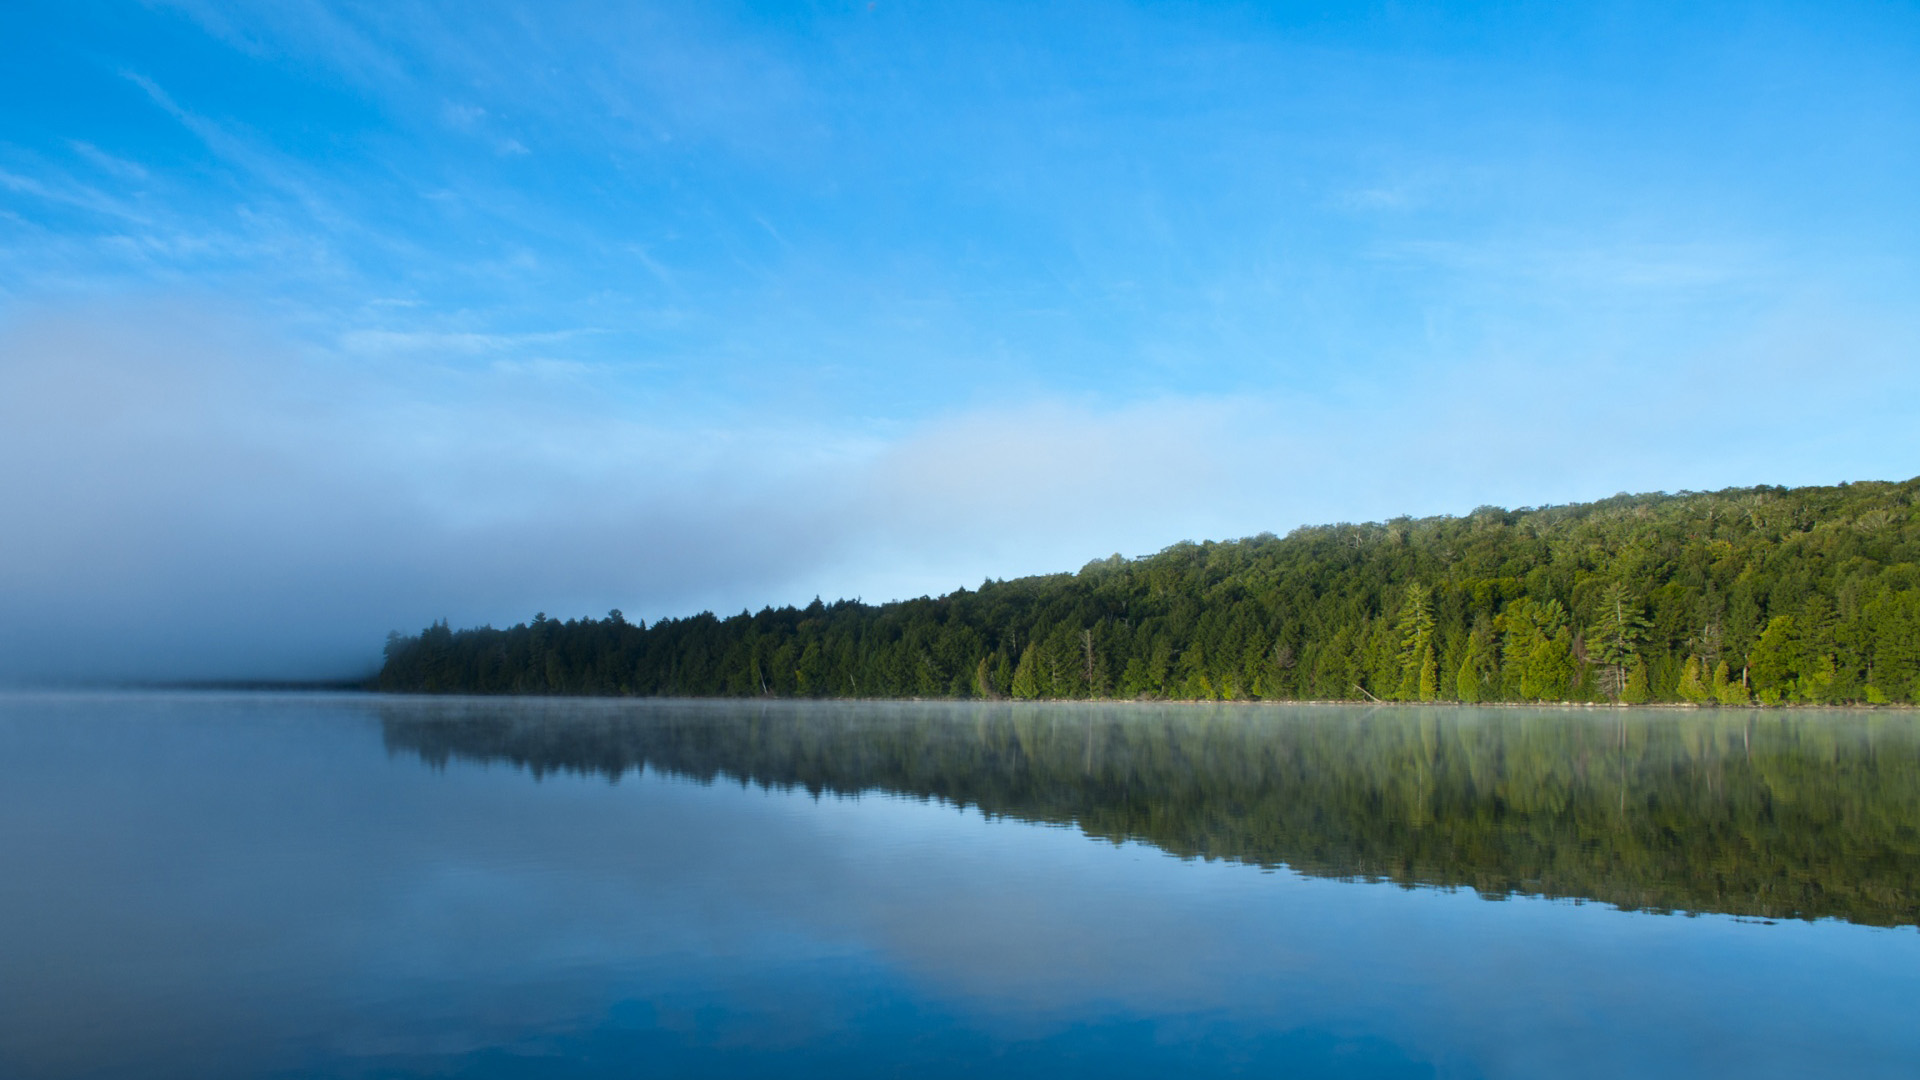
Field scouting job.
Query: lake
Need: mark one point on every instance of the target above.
(243, 885)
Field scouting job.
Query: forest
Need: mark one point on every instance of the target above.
(1772, 815)
(1746, 596)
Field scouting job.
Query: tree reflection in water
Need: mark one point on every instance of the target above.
(1765, 814)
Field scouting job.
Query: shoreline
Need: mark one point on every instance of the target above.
(344, 687)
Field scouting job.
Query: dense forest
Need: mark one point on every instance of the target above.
(1770, 815)
(1744, 596)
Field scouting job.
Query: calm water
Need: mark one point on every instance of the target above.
(206, 885)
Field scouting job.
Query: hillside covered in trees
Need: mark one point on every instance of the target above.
(1743, 596)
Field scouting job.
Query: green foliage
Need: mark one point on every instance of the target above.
(1691, 688)
(1538, 650)
(1639, 688)
(983, 684)
(1613, 641)
(1670, 589)
(1418, 666)
(1477, 667)
(1026, 681)
(1726, 689)
(1775, 662)
(1550, 674)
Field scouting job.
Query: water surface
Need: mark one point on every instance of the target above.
(242, 885)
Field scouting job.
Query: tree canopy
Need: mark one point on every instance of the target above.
(1762, 595)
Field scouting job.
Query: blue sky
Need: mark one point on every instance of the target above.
(318, 320)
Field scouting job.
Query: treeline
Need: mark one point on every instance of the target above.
(1770, 815)
(1743, 596)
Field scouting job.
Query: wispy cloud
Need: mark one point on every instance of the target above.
(117, 166)
(267, 171)
(63, 191)
(449, 341)
(1624, 265)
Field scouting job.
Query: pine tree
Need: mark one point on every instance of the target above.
(1612, 642)
(1775, 662)
(1478, 669)
(1519, 637)
(1026, 677)
(1638, 691)
(1820, 674)
(983, 680)
(1418, 668)
(1539, 650)
(1467, 685)
(1550, 674)
(1691, 688)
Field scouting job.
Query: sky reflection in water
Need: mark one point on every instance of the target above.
(252, 885)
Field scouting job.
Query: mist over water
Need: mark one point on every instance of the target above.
(247, 885)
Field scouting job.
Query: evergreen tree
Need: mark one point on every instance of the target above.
(1775, 662)
(1639, 689)
(1692, 687)
(1820, 660)
(1416, 658)
(1520, 638)
(1539, 650)
(1467, 684)
(1551, 672)
(1478, 677)
(983, 681)
(1613, 640)
(1026, 678)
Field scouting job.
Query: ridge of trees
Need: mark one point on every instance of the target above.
(1768, 815)
(1763, 595)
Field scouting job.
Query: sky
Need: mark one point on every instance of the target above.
(321, 320)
